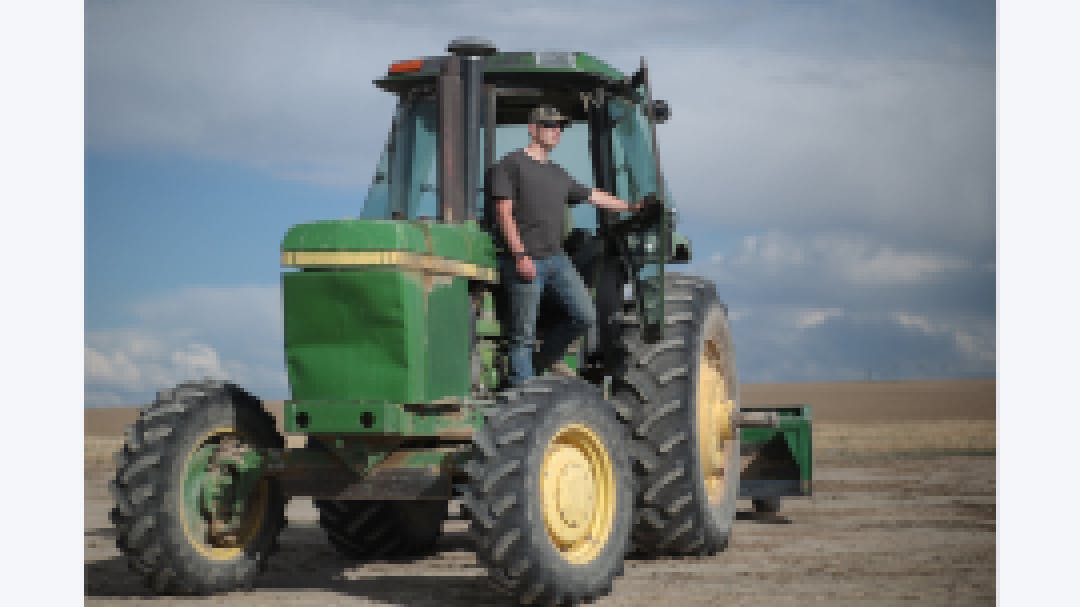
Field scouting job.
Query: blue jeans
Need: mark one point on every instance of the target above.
(558, 274)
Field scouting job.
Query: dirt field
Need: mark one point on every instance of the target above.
(903, 512)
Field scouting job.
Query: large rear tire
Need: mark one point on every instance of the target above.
(549, 492)
(160, 529)
(682, 397)
(369, 530)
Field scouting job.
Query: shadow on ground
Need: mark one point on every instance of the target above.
(762, 518)
(307, 562)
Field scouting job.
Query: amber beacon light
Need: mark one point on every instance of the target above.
(408, 65)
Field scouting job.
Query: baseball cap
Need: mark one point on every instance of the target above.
(546, 112)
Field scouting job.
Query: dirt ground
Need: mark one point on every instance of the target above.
(903, 512)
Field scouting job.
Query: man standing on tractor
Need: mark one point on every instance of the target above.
(531, 193)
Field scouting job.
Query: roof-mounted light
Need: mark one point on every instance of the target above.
(406, 66)
(556, 59)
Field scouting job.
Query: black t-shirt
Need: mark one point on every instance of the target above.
(540, 192)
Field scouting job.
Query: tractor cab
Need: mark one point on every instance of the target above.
(458, 115)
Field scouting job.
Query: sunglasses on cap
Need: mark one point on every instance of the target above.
(552, 124)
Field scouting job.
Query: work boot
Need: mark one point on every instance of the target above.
(556, 367)
(561, 368)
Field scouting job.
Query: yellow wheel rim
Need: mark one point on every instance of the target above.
(715, 404)
(577, 486)
(196, 527)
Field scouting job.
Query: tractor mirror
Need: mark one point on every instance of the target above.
(681, 254)
(659, 111)
(680, 249)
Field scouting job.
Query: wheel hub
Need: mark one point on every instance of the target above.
(575, 491)
(714, 412)
(577, 486)
(223, 497)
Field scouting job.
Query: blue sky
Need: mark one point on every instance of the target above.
(834, 163)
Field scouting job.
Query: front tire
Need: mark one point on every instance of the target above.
(549, 492)
(160, 529)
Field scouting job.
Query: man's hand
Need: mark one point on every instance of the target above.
(649, 199)
(603, 200)
(526, 269)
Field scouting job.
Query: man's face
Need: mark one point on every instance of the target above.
(546, 133)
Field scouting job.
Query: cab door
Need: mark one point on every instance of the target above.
(637, 174)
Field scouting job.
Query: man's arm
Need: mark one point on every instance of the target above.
(504, 214)
(602, 200)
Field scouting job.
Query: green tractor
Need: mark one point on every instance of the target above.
(397, 368)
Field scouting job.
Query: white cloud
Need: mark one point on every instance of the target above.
(786, 318)
(844, 306)
(815, 317)
(849, 259)
(914, 321)
(974, 340)
(135, 360)
(796, 343)
(888, 265)
(111, 366)
(232, 333)
(198, 360)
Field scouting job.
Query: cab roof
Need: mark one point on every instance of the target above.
(520, 68)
